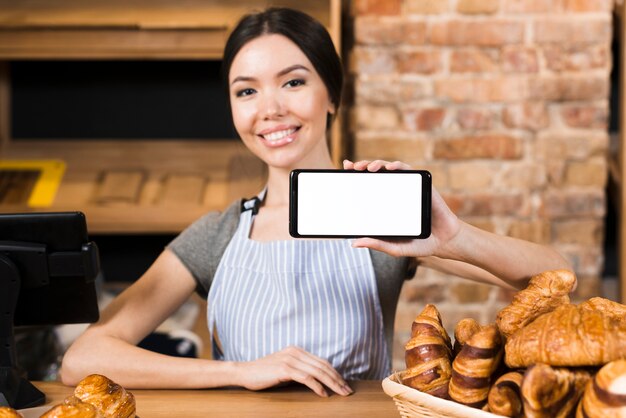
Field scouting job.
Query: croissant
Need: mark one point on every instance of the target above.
(107, 396)
(605, 394)
(608, 307)
(8, 412)
(544, 293)
(552, 392)
(72, 407)
(427, 355)
(473, 368)
(568, 336)
(505, 397)
(464, 329)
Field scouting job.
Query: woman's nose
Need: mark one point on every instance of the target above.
(271, 107)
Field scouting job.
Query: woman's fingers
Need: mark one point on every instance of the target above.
(318, 368)
(376, 165)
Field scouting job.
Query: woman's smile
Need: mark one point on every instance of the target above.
(279, 136)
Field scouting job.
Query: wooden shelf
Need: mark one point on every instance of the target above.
(138, 186)
(164, 186)
(138, 29)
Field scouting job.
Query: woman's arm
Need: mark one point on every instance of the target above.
(461, 249)
(108, 347)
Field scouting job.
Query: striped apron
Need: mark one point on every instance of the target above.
(319, 295)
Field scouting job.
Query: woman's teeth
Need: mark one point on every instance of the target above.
(275, 136)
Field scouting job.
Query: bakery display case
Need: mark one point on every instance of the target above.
(125, 185)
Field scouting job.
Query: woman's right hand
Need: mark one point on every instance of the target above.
(291, 364)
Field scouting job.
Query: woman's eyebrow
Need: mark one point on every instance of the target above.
(281, 73)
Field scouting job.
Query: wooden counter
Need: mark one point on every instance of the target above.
(368, 400)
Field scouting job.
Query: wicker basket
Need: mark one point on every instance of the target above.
(413, 403)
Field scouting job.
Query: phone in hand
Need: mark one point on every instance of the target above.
(352, 204)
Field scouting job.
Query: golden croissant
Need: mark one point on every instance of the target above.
(568, 336)
(8, 412)
(552, 392)
(428, 355)
(95, 396)
(605, 394)
(505, 396)
(464, 329)
(544, 293)
(474, 366)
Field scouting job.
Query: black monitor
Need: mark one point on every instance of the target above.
(48, 268)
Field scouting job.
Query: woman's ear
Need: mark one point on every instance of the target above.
(331, 108)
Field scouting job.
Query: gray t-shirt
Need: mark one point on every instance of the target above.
(201, 245)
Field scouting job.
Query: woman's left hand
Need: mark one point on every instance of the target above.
(445, 225)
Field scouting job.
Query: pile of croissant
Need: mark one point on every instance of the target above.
(543, 356)
(96, 396)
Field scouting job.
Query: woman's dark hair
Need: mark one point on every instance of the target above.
(303, 30)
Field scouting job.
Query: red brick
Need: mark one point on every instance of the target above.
(523, 176)
(590, 173)
(579, 231)
(492, 146)
(481, 90)
(468, 176)
(585, 260)
(528, 115)
(473, 61)
(480, 33)
(489, 204)
(585, 116)
(390, 91)
(472, 7)
(425, 7)
(589, 5)
(371, 30)
(476, 118)
(372, 60)
(517, 59)
(572, 31)
(415, 293)
(563, 204)
(577, 58)
(532, 6)
(536, 230)
(468, 292)
(565, 87)
(377, 7)
(389, 148)
(425, 119)
(375, 117)
(419, 62)
(571, 145)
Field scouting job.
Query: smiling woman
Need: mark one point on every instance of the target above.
(318, 312)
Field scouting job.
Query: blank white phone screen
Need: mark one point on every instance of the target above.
(360, 204)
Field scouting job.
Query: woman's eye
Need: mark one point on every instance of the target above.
(295, 83)
(244, 92)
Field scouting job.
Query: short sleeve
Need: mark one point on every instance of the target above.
(201, 245)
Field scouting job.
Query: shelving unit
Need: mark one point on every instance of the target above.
(137, 186)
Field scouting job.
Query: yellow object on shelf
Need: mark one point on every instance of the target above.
(46, 186)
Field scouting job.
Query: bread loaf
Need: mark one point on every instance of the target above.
(568, 336)
(505, 396)
(464, 329)
(72, 407)
(544, 293)
(605, 394)
(552, 392)
(473, 368)
(107, 396)
(428, 355)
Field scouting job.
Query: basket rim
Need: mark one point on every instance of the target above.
(399, 392)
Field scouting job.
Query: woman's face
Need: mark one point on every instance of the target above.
(279, 103)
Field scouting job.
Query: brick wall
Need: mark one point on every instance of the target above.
(506, 103)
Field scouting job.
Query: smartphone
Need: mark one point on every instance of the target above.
(352, 204)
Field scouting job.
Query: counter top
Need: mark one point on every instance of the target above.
(368, 400)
